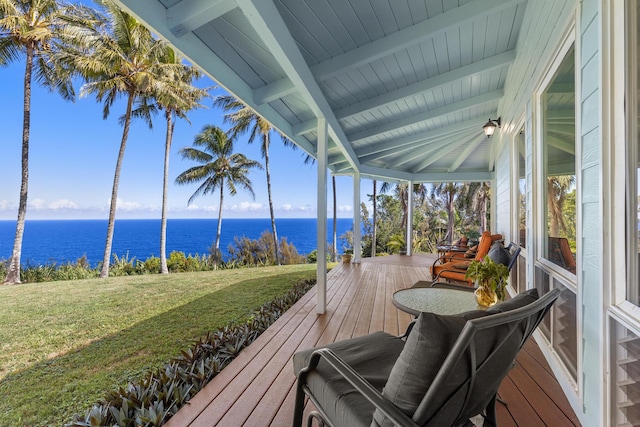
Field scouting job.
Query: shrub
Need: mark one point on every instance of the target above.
(162, 392)
(122, 266)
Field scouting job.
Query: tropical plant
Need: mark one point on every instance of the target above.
(36, 30)
(243, 119)
(489, 275)
(119, 57)
(219, 167)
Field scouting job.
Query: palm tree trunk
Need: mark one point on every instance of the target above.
(165, 190)
(13, 274)
(451, 216)
(273, 218)
(375, 216)
(217, 256)
(114, 192)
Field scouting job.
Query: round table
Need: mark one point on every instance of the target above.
(435, 300)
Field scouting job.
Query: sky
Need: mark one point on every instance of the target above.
(73, 153)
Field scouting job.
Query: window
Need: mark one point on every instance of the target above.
(559, 166)
(522, 189)
(633, 208)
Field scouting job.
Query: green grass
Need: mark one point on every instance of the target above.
(63, 345)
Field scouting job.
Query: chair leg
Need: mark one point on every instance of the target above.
(298, 411)
(491, 412)
(317, 416)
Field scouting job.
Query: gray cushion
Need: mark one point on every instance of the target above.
(372, 356)
(499, 254)
(427, 346)
(520, 300)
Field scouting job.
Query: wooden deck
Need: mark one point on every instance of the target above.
(257, 388)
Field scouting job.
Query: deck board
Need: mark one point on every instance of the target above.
(257, 388)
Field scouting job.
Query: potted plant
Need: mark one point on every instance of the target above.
(346, 256)
(490, 280)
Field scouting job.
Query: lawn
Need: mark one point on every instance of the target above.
(63, 345)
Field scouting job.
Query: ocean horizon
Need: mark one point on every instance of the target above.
(61, 241)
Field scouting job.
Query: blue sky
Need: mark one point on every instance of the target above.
(73, 153)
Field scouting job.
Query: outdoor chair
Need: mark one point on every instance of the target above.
(456, 270)
(444, 262)
(442, 372)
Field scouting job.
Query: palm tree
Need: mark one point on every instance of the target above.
(176, 100)
(122, 59)
(219, 167)
(245, 119)
(447, 192)
(35, 29)
(557, 190)
(375, 219)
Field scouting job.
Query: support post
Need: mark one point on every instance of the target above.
(409, 230)
(321, 271)
(357, 228)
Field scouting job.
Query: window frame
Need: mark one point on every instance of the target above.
(567, 278)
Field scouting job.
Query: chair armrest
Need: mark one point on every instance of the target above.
(437, 278)
(363, 387)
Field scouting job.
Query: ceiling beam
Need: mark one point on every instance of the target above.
(472, 144)
(442, 152)
(392, 43)
(264, 17)
(188, 15)
(410, 140)
(415, 34)
(474, 101)
(496, 61)
(423, 149)
(432, 148)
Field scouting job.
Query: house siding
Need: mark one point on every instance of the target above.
(591, 250)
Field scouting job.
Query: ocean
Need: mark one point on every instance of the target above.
(61, 241)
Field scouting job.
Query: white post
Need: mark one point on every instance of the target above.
(357, 228)
(409, 231)
(321, 271)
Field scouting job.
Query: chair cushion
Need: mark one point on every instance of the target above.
(520, 300)
(372, 356)
(499, 254)
(461, 265)
(428, 345)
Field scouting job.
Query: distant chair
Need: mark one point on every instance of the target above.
(454, 268)
(443, 371)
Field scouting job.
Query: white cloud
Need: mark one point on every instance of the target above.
(247, 207)
(4, 205)
(37, 204)
(345, 208)
(63, 204)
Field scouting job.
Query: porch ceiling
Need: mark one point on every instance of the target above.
(405, 85)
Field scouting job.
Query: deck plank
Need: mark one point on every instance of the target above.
(258, 387)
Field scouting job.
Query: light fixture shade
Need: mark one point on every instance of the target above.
(490, 127)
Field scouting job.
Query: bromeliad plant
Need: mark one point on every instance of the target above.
(490, 279)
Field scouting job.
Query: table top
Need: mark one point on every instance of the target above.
(435, 300)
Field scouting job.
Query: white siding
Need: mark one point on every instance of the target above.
(591, 252)
(502, 191)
